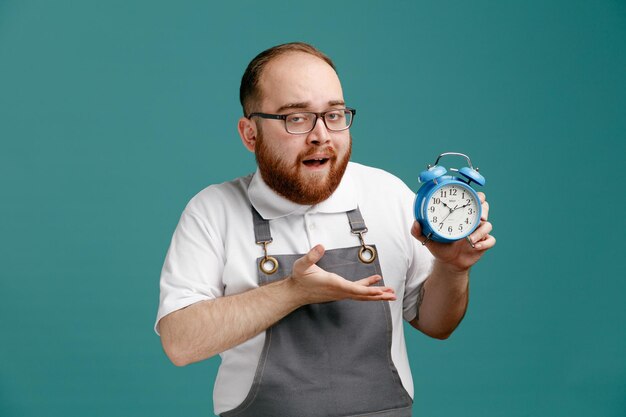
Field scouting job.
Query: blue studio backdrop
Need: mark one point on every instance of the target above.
(113, 114)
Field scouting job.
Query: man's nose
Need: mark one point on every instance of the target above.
(319, 134)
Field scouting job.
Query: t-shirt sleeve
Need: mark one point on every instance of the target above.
(416, 275)
(420, 264)
(193, 266)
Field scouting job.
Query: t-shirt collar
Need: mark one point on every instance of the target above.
(271, 205)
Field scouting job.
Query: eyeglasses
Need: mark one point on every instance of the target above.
(304, 122)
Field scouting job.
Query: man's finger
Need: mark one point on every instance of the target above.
(369, 280)
(310, 259)
(416, 231)
(479, 234)
(485, 210)
(373, 280)
(358, 288)
(487, 243)
(381, 297)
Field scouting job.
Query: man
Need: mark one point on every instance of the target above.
(300, 274)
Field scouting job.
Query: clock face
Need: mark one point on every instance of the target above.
(453, 211)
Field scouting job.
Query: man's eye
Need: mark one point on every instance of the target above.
(297, 118)
(334, 116)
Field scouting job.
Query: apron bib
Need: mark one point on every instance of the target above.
(328, 359)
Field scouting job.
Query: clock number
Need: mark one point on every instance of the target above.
(450, 229)
(470, 211)
(440, 226)
(436, 200)
(431, 209)
(443, 193)
(435, 219)
(453, 192)
(467, 220)
(467, 201)
(463, 194)
(460, 227)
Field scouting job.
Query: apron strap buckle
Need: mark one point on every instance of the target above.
(367, 253)
(268, 264)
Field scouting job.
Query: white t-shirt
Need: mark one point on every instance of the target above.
(213, 253)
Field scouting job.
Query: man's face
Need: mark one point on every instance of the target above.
(305, 168)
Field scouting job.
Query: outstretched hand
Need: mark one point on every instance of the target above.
(316, 285)
(460, 255)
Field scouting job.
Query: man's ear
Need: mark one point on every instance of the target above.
(247, 132)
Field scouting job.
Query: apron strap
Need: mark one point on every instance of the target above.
(357, 224)
(261, 228)
(263, 236)
(367, 253)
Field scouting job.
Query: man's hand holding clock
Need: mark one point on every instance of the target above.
(460, 255)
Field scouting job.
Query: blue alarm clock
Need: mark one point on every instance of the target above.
(446, 206)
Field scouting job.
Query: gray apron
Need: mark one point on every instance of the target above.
(328, 359)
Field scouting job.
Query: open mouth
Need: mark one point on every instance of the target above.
(315, 162)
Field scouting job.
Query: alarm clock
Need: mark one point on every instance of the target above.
(446, 206)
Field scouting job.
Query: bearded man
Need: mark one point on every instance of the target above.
(300, 275)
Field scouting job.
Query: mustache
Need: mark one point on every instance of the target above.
(327, 150)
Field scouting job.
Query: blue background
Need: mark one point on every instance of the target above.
(114, 114)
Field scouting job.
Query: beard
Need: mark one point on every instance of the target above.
(289, 179)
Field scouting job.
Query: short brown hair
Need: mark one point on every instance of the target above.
(249, 93)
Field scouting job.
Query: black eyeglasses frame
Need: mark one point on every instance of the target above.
(321, 115)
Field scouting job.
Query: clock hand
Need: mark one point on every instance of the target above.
(456, 208)
(451, 210)
(446, 206)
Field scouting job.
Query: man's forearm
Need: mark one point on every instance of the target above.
(210, 327)
(207, 328)
(443, 301)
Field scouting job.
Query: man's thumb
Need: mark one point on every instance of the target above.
(314, 255)
(416, 230)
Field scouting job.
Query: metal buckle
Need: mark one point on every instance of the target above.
(267, 259)
(365, 249)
